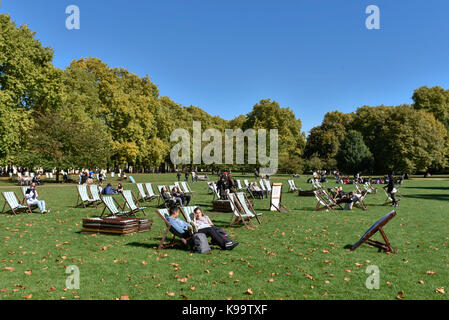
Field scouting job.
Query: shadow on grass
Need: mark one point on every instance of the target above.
(429, 188)
(180, 246)
(439, 197)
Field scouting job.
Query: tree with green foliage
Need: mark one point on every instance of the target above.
(353, 155)
(28, 82)
(61, 143)
(325, 139)
(434, 100)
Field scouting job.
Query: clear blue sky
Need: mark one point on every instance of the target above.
(313, 56)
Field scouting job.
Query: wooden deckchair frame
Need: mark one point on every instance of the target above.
(97, 197)
(19, 208)
(167, 230)
(152, 195)
(237, 218)
(115, 212)
(135, 204)
(322, 204)
(142, 194)
(378, 227)
(80, 200)
(246, 203)
(280, 207)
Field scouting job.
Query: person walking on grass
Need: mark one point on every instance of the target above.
(391, 190)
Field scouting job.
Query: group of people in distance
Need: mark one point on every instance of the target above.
(200, 224)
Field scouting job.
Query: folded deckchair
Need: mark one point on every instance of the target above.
(111, 204)
(132, 203)
(164, 214)
(83, 197)
(13, 202)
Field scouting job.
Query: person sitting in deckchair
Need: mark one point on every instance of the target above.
(170, 198)
(343, 197)
(31, 198)
(256, 191)
(185, 229)
(202, 221)
(119, 188)
(185, 199)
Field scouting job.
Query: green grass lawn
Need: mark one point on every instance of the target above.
(297, 255)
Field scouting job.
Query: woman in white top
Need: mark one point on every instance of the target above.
(31, 198)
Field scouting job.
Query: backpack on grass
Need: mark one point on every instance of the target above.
(200, 243)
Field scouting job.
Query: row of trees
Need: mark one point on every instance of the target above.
(406, 138)
(91, 115)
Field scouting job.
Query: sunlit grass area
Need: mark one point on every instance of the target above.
(301, 254)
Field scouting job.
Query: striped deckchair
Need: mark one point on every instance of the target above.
(143, 196)
(186, 188)
(14, 204)
(151, 193)
(188, 213)
(132, 203)
(164, 214)
(111, 204)
(83, 197)
(95, 194)
(239, 216)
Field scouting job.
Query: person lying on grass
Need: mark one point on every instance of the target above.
(185, 230)
(31, 198)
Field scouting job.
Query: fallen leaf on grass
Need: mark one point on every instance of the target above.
(28, 272)
(28, 296)
(440, 290)
(249, 291)
(170, 294)
(124, 298)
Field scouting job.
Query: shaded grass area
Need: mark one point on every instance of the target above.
(301, 254)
